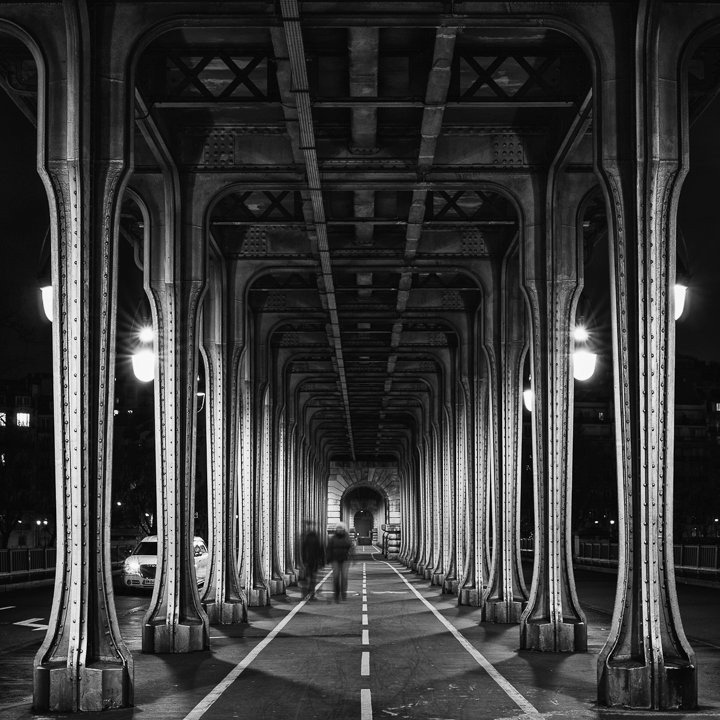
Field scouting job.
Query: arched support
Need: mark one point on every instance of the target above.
(647, 661)
(223, 600)
(506, 596)
(553, 619)
(83, 663)
(175, 621)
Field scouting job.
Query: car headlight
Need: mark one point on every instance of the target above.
(132, 566)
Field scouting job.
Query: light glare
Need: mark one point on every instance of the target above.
(146, 335)
(580, 334)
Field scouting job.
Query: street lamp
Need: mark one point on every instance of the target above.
(143, 360)
(584, 361)
(680, 296)
(46, 292)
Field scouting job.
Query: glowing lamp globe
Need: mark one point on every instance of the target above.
(47, 301)
(143, 364)
(528, 399)
(680, 294)
(584, 364)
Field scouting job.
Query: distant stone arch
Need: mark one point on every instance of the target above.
(346, 499)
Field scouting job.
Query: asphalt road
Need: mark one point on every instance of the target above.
(395, 648)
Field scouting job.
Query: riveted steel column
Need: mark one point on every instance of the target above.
(436, 574)
(223, 599)
(506, 595)
(260, 554)
(448, 490)
(553, 619)
(474, 507)
(175, 621)
(278, 504)
(83, 663)
(647, 661)
(424, 499)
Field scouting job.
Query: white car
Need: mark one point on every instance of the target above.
(140, 566)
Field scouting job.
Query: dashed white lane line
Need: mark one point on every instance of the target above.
(365, 664)
(366, 637)
(364, 619)
(8, 607)
(206, 703)
(364, 607)
(365, 705)
(510, 690)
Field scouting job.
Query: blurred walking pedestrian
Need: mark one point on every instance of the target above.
(312, 555)
(339, 548)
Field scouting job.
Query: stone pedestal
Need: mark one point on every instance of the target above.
(181, 637)
(258, 597)
(502, 611)
(101, 686)
(225, 613)
(554, 637)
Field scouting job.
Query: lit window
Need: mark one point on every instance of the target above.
(717, 407)
(3, 462)
(23, 419)
(3, 419)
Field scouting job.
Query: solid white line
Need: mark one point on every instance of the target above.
(365, 705)
(364, 619)
(510, 690)
(366, 637)
(7, 607)
(365, 664)
(206, 703)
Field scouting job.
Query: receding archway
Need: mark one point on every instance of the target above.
(364, 510)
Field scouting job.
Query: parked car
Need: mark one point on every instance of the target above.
(140, 566)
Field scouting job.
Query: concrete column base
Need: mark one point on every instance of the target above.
(277, 587)
(437, 579)
(551, 637)
(450, 586)
(630, 684)
(471, 597)
(427, 573)
(180, 638)
(290, 579)
(503, 611)
(226, 613)
(102, 686)
(258, 597)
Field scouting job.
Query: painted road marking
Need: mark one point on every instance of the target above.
(32, 623)
(390, 592)
(366, 637)
(510, 690)
(364, 619)
(364, 607)
(365, 705)
(206, 703)
(365, 664)
(8, 607)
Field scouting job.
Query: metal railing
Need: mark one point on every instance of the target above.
(702, 561)
(22, 563)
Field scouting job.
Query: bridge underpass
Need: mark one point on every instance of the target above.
(367, 229)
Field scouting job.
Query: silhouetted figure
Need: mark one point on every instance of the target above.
(338, 553)
(312, 556)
